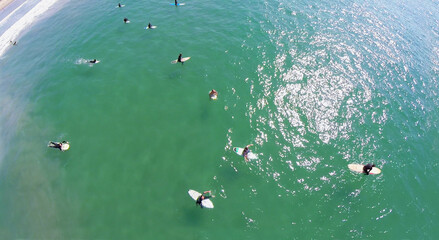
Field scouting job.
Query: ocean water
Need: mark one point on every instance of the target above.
(314, 85)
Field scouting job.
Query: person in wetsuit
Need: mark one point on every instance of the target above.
(179, 59)
(149, 25)
(213, 94)
(57, 145)
(176, 3)
(125, 20)
(367, 168)
(202, 197)
(93, 61)
(246, 151)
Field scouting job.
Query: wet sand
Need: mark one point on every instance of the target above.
(4, 3)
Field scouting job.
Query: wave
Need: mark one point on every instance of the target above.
(28, 17)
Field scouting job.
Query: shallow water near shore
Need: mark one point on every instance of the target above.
(313, 85)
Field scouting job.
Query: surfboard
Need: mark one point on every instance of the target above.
(250, 155)
(64, 146)
(359, 168)
(182, 60)
(152, 27)
(178, 4)
(206, 202)
(214, 97)
(121, 6)
(97, 61)
(127, 21)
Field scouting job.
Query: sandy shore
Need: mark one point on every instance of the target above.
(4, 3)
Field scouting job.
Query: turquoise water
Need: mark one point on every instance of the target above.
(314, 85)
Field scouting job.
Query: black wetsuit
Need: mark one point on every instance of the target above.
(149, 25)
(56, 145)
(245, 151)
(367, 168)
(179, 58)
(176, 3)
(200, 199)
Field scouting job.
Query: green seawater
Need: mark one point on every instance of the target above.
(314, 85)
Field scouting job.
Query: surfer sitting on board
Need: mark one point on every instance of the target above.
(246, 151)
(176, 3)
(125, 20)
(149, 25)
(213, 94)
(179, 59)
(120, 5)
(202, 197)
(367, 168)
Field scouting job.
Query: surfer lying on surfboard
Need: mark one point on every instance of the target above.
(202, 197)
(63, 146)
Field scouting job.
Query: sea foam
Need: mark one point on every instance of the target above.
(28, 18)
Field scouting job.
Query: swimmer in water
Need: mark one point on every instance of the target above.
(367, 168)
(202, 197)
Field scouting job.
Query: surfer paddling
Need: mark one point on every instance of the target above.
(63, 146)
(367, 168)
(205, 195)
(246, 151)
(93, 61)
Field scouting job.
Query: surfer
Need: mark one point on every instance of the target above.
(125, 20)
(179, 56)
(213, 94)
(149, 25)
(61, 146)
(13, 43)
(120, 5)
(367, 168)
(202, 197)
(176, 3)
(246, 151)
(93, 61)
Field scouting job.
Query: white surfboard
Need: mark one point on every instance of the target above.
(359, 168)
(250, 155)
(182, 60)
(178, 4)
(214, 97)
(121, 6)
(152, 27)
(206, 202)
